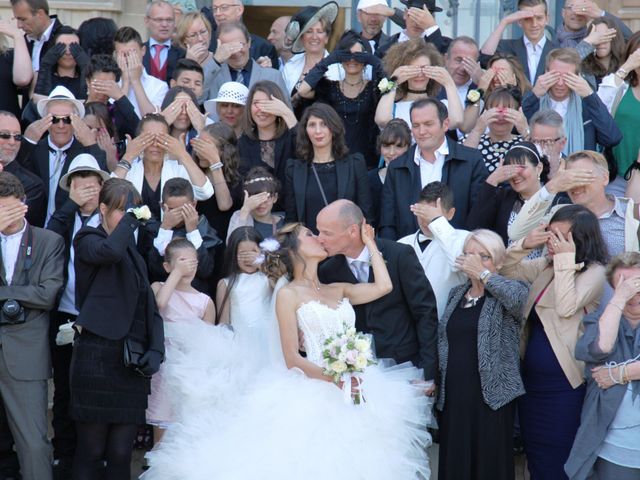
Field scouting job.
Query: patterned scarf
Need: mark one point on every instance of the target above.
(573, 123)
(568, 39)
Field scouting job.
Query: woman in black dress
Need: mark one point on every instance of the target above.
(354, 98)
(268, 130)
(324, 170)
(116, 306)
(478, 349)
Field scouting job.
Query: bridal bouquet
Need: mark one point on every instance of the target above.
(345, 356)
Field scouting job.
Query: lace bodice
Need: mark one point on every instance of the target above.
(319, 321)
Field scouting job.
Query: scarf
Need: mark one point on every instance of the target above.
(573, 123)
(567, 39)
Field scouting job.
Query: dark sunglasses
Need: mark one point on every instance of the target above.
(66, 120)
(6, 136)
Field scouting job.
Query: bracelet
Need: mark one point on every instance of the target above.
(215, 166)
(621, 73)
(625, 376)
(219, 183)
(621, 374)
(124, 164)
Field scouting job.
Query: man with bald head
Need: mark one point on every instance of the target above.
(277, 39)
(404, 323)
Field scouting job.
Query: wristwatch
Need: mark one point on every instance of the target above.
(484, 276)
(621, 73)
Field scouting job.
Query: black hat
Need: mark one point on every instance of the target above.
(431, 4)
(305, 19)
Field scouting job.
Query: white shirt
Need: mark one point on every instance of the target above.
(431, 172)
(38, 43)
(68, 299)
(561, 107)
(154, 88)
(164, 53)
(10, 245)
(534, 54)
(55, 171)
(165, 236)
(405, 38)
(364, 256)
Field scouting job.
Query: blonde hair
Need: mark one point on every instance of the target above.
(490, 241)
(624, 260)
(564, 55)
(597, 158)
(185, 23)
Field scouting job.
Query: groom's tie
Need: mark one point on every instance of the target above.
(361, 271)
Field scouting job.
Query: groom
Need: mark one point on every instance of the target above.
(404, 323)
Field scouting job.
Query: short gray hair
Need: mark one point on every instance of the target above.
(624, 260)
(550, 118)
(154, 3)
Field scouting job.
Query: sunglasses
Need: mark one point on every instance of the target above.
(66, 120)
(6, 136)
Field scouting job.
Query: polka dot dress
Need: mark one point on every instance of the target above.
(492, 153)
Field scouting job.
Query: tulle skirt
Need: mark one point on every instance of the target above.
(235, 423)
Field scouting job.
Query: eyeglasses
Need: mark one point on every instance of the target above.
(196, 35)
(162, 20)
(66, 120)
(6, 136)
(224, 7)
(546, 142)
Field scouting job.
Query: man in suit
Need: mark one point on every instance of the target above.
(531, 49)
(404, 323)
(160, 56)
(233, 62)
(434, 157)
(230, 11)
(419, 23)
(39, 28)
(576, 16)
(372, 15)
(277, 39)
(586, 118)
(69, 136)
(31, 275)
(10, 138)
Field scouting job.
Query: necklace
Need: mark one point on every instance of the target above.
(417, 92)
(359, 82)
(344, 104)
(471, 301)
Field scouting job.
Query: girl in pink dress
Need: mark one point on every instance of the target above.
(179, 304)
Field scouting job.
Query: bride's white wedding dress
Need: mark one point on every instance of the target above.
(280, 424)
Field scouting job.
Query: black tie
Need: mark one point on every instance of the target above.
(424, 244)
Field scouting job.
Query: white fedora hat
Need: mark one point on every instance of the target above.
(60, 93)
(230, 92)
(364, 4)
(82, 163)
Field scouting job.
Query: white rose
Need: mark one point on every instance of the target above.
(384, 84)
(342, 356)
(351, 356)
(339, 367)
(361, 362)
(362, 345)
(351, 331)
(142, 213)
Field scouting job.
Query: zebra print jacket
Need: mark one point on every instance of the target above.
(498, 340)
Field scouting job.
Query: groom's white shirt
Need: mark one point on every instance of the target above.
(438, 259)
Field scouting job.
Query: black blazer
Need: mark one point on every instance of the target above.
(107, 289)
(353, 184)
(517, 47)
(174, 54)
(492, 209)
(404, 323)
(375, 186)
(36, 159)
(463, 171)
(34, 189)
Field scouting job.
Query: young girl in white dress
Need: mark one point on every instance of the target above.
(244, 294)
(179, 304)
(293, 421)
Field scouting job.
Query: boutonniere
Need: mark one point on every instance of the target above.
(142, 213)
(386, 85)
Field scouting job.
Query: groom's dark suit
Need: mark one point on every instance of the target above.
(404, 323)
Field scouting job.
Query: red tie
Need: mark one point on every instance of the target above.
(156, 58)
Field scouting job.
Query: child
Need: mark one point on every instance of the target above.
(394, 140)
(178, 303)
(437, 244)
(180, 219)
(261, 189)
(244, 294)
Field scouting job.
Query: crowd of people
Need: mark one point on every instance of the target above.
(189, 222)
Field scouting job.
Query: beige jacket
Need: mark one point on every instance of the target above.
(568, 295)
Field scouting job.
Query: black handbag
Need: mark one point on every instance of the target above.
(133, 352)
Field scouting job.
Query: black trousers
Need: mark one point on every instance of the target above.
(64, 430)
(9, 465)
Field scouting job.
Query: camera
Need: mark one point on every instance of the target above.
(12, 313)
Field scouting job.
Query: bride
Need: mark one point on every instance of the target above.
(294, 422)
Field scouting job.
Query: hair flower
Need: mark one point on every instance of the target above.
(269, 245)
